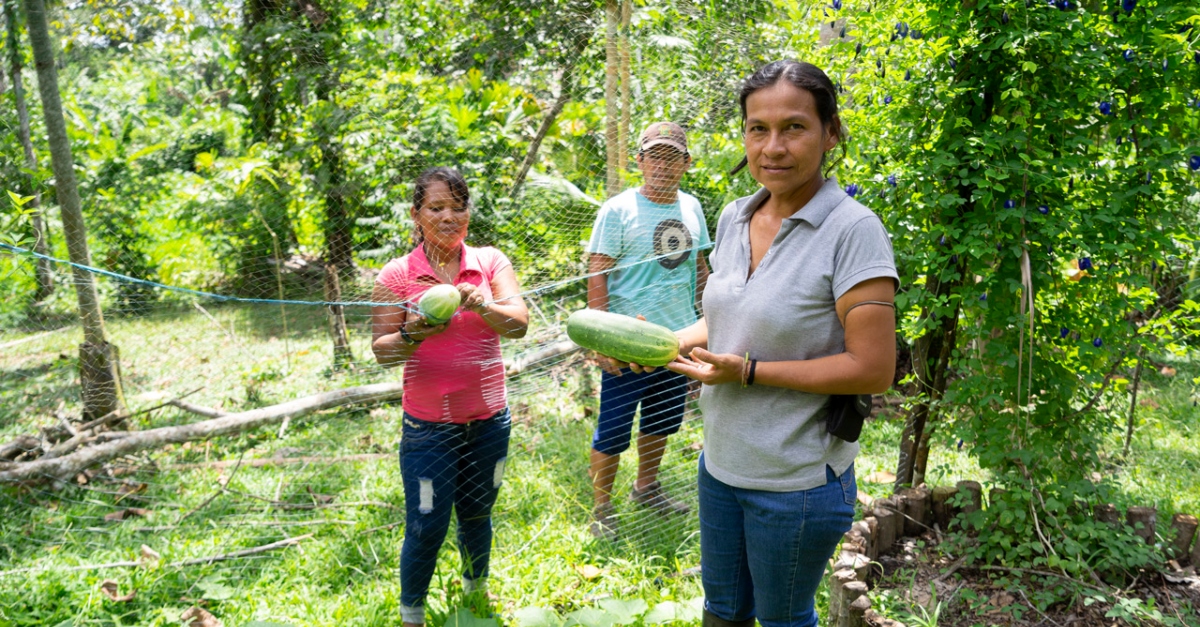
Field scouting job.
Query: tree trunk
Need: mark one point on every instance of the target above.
(612, 184)
(41, 242)
(101, 383)
(339, 227)
(342, 355)
(626, 97)
(565, 88)
(259, 77)
(931, 356)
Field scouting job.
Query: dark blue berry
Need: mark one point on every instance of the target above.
(892, 177)
(1004, 17)
(1128, 54)
(1063, 331)
(1085, 263)
(1097, 342)
(1194, 162)
(983, 296)
(887, 100)
(953, 260)
(1009, 204)
(1043, 209)
(942, 240)
(1128, 5)
(1105, 107)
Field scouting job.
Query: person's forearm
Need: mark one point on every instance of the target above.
(694, 336)
(508, 320)
(597, 292)
(392, 350)
(837, 374)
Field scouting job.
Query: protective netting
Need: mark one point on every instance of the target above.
(242, 168)
(246, 171)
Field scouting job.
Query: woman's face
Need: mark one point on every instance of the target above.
(785, 139)
(442, 218)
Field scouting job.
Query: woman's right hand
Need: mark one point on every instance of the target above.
(419, 329)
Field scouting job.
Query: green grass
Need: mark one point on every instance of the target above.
(347, 573)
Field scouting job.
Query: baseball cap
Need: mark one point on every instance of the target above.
(665, 134)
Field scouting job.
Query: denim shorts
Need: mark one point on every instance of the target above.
(763, 554)
(662, 395)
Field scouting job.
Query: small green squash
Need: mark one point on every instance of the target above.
(439, 303)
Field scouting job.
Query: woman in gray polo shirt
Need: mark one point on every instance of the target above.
(798, 308)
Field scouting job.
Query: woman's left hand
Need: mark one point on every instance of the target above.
(472, 297)
(709, 368)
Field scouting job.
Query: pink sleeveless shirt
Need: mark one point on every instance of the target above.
(457, 375)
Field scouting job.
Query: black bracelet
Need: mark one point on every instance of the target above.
(408, 338)
(750, 377)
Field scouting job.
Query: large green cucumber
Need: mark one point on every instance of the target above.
(622, 337)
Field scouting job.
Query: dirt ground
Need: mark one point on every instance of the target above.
(971, 597)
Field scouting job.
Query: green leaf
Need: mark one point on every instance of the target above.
(664, 612)
(259, 623)
(464, 618)
(590, 617)
(214, 589)
(537, 617)
(148, 150)
(625, 612)
(17, 199)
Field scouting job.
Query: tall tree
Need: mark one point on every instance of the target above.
(325, 27)
(612, 136)
(45, 278)
(98, 366)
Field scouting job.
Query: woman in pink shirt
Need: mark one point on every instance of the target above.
(454, 440)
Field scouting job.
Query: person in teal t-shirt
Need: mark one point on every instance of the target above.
(645, 259)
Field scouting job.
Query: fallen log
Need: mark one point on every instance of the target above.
(523, 361)
(67, 466)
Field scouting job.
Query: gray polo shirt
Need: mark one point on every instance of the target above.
(770, 438)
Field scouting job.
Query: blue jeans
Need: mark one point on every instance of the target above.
(449, 466)
(762, 554)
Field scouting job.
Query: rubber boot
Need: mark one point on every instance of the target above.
(712, 620)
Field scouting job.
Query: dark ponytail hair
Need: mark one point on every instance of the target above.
(804, 76)
(453, 180)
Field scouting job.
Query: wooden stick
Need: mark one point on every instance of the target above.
(285, 461)
(245, 552)
(220, 490)
(207, 412)
(71, 568)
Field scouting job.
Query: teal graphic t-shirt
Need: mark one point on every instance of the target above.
(655, 248)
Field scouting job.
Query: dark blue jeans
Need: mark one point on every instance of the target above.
(762, 554)
(448, 467)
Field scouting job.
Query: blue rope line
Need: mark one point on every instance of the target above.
(322, 303)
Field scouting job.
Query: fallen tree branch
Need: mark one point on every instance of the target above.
(69, 465)
(22, 444)
(285, 461)
(207, 412)
(31, 569)
(525, 360)
(244, 553)
(192, 562)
